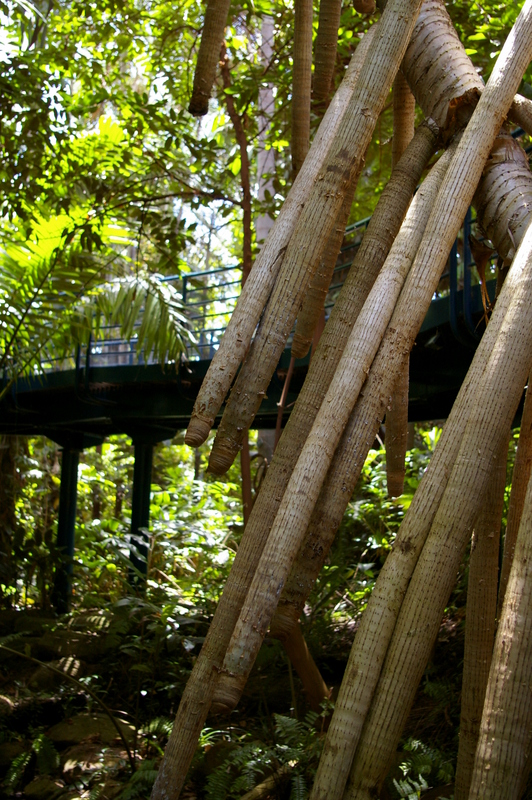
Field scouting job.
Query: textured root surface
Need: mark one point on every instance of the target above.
(197, 431)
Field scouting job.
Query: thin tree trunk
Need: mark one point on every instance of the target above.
(240, 135)
(211, 40)
(245, 182)
(301, 83)
(314, 227)
(8, 520)
(282, 401)
(481, 612)
(404, 106)
(503, 748)
(265, 157)
(325, 49)
(296, 508)
(297, 651)
(378, 622)
(254, 296)
(520, 479)
(372, 253)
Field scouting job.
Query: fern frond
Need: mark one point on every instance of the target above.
(47, 755)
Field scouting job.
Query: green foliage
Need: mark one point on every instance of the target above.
(42, 755)
(140, 783)
(292, 758)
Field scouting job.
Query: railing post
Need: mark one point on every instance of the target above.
(62, 590)
(140, 513)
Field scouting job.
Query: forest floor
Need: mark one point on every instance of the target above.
(57, 742)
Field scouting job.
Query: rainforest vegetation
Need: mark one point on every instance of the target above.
(145, 146)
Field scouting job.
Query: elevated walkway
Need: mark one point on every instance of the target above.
(112, 388)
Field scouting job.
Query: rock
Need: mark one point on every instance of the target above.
(44, 679)
(111, 789)
(84, 726)
(6, 706)
(31, 621)
(44, 788)
(9, 751)
(80, 761)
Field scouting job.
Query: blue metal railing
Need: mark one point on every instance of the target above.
(210, 297)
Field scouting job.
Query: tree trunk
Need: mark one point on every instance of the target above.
(314, 227)
(325, 49)
(296, 508)
(504, 741)
(254, 296)
(417, 626)
(301, 83)
(481, 612)
(318, 538)
(378, 621)
(8, 520)
(404, 106)
(241, 139)
(378, 239)
(520, 479)
(211, 41)
(314, 302)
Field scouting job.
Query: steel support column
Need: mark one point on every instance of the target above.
(140, 512)
(66, 522)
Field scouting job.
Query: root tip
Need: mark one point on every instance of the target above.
(300, 346)
(222, 456)
(227, 695)
(197, 431)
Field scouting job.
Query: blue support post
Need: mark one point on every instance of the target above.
(66, 522)
(140, 513)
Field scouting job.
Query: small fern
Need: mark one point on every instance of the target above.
(299, 788)
(140, 784)
(17, 770)
(47, 755)
(411, 789)
(160, 726)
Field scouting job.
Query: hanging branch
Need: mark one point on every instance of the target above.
(250, 306)
(211, 39)
(314, 302)
(325, 49)
(301, 83)
(314, 227)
